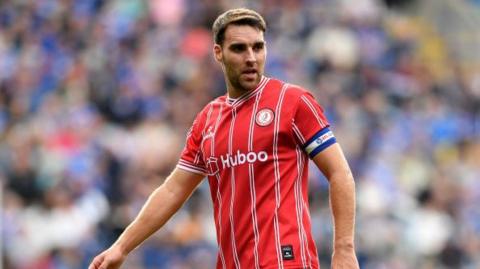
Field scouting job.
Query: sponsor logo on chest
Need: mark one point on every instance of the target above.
(231, 160)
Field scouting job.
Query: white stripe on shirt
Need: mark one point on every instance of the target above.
(277, 175)
(310, 105)
(232, 198)
(251, 175)
(298, 205)
(297, 132)
(219, 196)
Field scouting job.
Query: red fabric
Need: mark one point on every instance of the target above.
(258, 172)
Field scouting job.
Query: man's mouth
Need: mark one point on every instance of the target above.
(250, 72)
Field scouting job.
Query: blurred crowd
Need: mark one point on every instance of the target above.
(96, 98)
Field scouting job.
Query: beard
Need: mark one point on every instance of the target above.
(240, 83)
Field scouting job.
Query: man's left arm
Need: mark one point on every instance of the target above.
(333, 164)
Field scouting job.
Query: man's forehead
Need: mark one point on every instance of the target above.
(243, 34)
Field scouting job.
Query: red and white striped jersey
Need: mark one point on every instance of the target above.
(255, 151)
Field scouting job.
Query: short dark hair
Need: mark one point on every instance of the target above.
(237, 16)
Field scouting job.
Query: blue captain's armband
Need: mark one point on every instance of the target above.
(320, 141)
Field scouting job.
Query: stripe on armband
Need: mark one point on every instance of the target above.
(320, 141)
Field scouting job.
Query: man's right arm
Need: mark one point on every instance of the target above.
(159, 208)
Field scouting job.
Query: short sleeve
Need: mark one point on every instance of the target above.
(191, 158)
(311, 127)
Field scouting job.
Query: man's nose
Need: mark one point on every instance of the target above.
(250, 56)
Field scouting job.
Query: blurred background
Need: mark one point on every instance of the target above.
(96, 98)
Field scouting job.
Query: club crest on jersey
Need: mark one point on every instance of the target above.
(264, 117)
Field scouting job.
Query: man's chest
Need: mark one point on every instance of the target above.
(247, 135)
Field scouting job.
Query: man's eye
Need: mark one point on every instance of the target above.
(237, 48)
(258, 47)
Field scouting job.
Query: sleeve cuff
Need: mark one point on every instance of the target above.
(184, 165)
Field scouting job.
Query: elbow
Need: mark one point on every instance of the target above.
(345, 176)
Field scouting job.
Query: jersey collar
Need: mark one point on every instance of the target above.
(247, 95)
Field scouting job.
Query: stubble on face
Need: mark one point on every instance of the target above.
(243, 58)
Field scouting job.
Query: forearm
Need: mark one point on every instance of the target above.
(158, 209)
(342, 202)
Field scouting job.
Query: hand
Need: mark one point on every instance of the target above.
(344, 258)
(111, 258)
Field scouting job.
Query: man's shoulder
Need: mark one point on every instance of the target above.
(290, 87)
(219, 101)
(292, 91)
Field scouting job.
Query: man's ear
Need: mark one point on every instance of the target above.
(217, 52)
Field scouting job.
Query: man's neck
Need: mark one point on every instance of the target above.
(236, 92)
